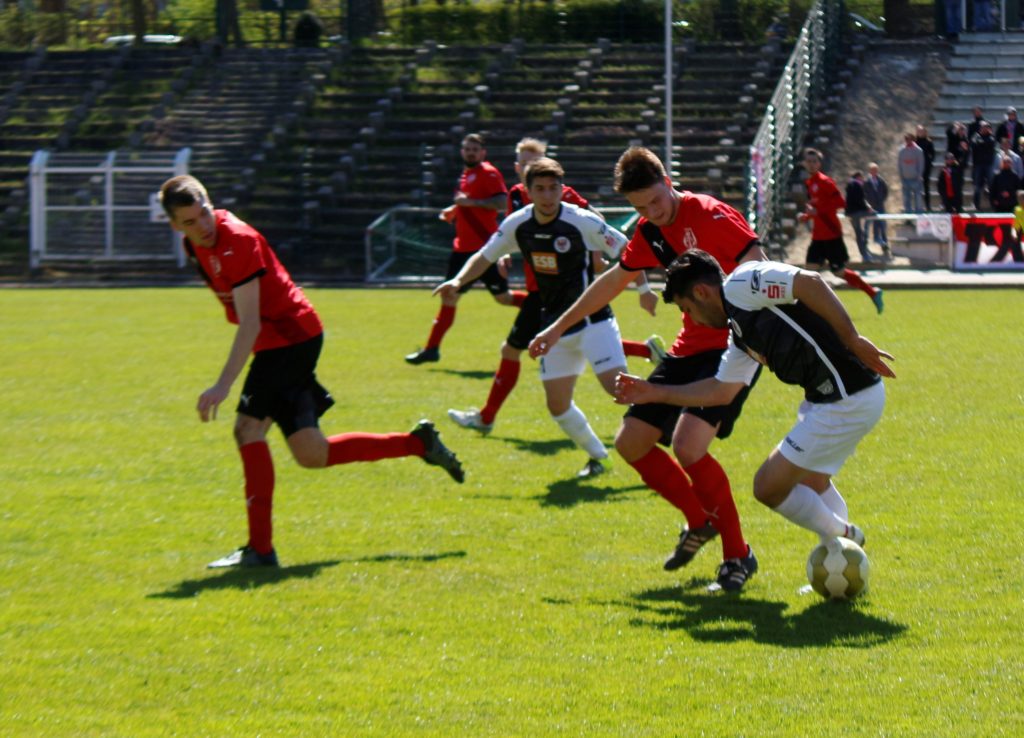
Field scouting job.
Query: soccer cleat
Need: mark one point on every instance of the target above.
(422, 357)
(877, 299)
(854, 534)
(246, 556)
(690, 542)
(594, 468)
(734, 573)
(656, 344)
(470, 419)
(435, 452)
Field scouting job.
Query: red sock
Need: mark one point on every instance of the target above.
(712, 487)
(518, 297)
(443, 321)
(855, 280)
(636, 348)
(258, 467)
(663, 474)
(504, 380)
(349, 447)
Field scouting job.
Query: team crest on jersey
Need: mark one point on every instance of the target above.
(562, 244)
(544, 262)
(215, 264)
(470, 178)
(689, 238)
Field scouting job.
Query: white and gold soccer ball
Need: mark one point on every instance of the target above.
(838, 570)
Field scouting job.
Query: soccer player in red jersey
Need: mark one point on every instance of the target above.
(671, 223)
(474, 211)
(278, 325)
(823, 202)
(528, 320)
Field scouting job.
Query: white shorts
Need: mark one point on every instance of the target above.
(599, 343)
(827, 433)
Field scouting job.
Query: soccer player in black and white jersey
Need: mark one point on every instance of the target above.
(789, 320)
(557, 239)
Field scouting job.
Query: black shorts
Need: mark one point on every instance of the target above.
(496, 284)
(683, 370)
(832, 251)
(527, 324)
(282, 385)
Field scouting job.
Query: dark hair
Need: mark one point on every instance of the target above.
(815, 153)
(475, 138)
(181, 192)
(689, 268)
(543, 167)
(637, 169)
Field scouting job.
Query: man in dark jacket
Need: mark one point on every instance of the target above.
(1002, 193)
(876, 191)
(950, 184)
(857, 209)
(983, 152)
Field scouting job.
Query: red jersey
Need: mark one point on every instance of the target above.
(827, 200)
(519, 198)
(701, 222)
(240, 255)
(474, 225)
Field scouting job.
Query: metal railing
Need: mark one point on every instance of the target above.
(788, 116)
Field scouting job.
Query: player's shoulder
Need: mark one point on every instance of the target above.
(516, 218)
(234, 228)
(582, 217)
(750, 278)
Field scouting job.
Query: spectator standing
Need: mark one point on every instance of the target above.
(983, 153)
(975, 125)
(1012, 129)
(959, 143)
(857, 209)
(876, 192)
(910, 163)
(924, 142)
(954, 23)
(1004, 150)
(1002, 192)
(950, 185)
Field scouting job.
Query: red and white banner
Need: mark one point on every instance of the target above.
(982, 243)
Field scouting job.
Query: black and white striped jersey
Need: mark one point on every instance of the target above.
(559, 254)
(768, 326)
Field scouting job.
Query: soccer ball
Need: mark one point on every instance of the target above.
(838, 570)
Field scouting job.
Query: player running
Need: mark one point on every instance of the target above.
(474, 212)
(791, 321)
(673, 222)
(528, 319)
(557, 239)
(279, 327)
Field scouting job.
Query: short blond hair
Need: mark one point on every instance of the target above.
(533, 145)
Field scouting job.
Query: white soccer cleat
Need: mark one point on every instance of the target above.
(470, 419)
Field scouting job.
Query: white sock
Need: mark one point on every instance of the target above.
(574, 424)
(835, 502)
(805, 507)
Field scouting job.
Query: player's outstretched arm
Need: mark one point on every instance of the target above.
(811, 290)
(472, 269)
(601, 292)
(632, 390)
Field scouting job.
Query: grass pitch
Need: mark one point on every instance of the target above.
(521, 603)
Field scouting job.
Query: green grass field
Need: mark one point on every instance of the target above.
(518, 604)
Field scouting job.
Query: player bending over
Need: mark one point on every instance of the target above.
(278, 325)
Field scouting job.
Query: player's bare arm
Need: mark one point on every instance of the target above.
(247, 305)
(633, 390)
(603, 290)
(811, 290)
(472, 269)
(495, 202)
(648, 300)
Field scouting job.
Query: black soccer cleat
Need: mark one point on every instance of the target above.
(435, 452)
(424, 356)
(593, 468)
(734, 573)
(246, 557)
(690, 542)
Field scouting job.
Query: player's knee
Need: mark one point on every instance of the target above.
(309, 458)
(686, 453)
(248, 430)
(630, 447)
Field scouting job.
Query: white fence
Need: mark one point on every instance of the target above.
(102, 206)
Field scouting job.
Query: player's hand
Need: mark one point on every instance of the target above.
(461, 198)
(543, 342)
(632, 390)
(447, 290)
(448, 214)
(209, 400)
(649, 302)
(504, 264)
(872, 357)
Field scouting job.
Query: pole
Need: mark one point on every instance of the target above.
(668, 87)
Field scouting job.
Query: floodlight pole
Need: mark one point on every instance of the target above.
(668, 87)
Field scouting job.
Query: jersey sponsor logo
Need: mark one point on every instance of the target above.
(562, 244)
(689, 238)
(775, 291)
(610, 241)
(792, 443)
(544, 262)
(542, 236)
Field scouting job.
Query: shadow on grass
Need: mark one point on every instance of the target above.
(425, 558)
(572, 492)
(723, 618)
(466, 373)
(242, 578)
(540, 448)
